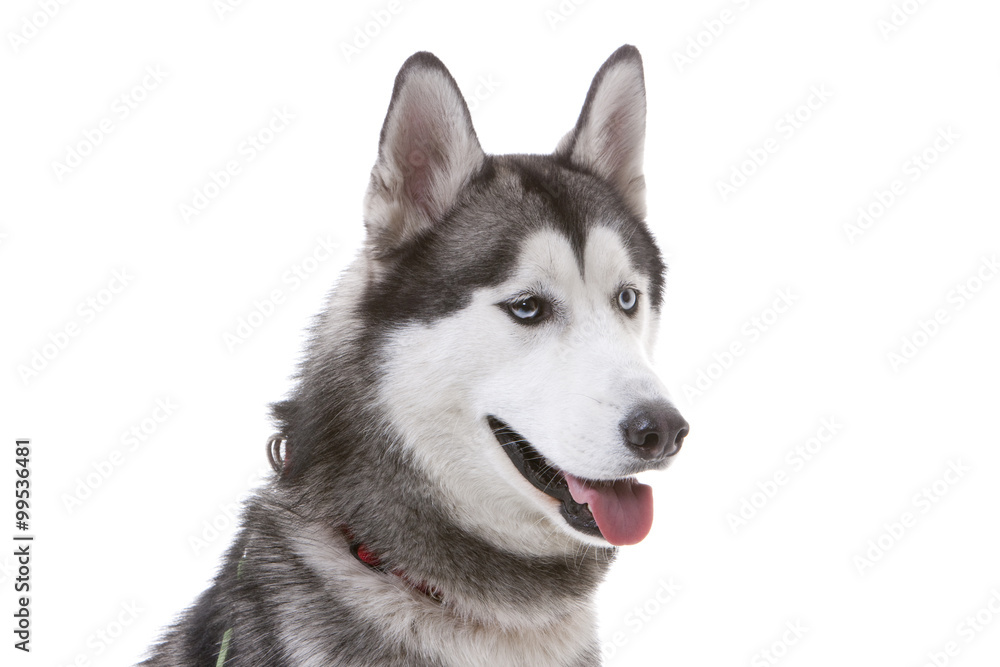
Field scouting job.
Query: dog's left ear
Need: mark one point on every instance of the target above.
(427, 152)
(609, 135)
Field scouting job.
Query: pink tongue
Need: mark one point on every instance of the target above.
(623, 509)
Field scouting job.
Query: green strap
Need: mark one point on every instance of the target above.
(228, 636)
(225, 648)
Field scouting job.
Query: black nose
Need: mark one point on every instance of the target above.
(654, 430)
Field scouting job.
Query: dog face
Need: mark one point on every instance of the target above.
(518, 299)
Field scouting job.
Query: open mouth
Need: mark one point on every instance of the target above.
(620, 511)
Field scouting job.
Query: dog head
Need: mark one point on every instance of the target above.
(516, 300)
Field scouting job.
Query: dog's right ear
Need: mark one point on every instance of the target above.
(427, 152)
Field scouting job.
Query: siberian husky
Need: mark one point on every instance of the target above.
(454, 469)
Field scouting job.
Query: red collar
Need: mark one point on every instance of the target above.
(279, 452)
(369, 558)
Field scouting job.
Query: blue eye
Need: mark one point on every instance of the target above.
(526, 309)
(627, 299)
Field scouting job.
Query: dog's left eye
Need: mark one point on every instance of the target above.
(627, 299)
(528, 310)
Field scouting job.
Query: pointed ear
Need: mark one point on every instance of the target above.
(427, 152)
(609, 135)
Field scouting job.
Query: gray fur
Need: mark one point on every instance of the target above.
(289, 589)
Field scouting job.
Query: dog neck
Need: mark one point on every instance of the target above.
(360, 551)
(412, 538)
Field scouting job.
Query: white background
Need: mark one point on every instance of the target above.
(888, 94)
